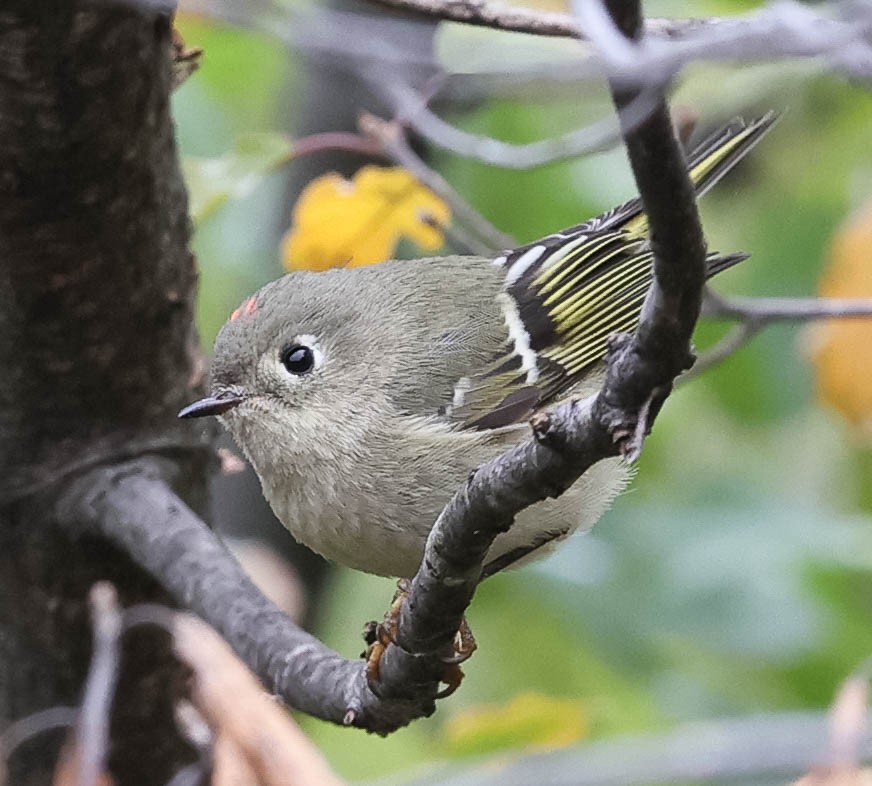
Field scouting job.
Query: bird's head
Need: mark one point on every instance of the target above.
(301, 361)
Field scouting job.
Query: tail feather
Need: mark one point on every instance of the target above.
(718, 263)
(710, 160)
(718, 153)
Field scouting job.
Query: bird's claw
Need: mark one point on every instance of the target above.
(378, 635)
(464, 645)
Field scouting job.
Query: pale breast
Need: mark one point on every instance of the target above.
(377, 519)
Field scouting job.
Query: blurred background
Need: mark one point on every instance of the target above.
(735, 576)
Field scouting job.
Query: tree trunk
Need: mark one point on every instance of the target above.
(97, 350)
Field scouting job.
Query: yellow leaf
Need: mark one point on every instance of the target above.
(842, 348)
(346, 223)
(529, 721)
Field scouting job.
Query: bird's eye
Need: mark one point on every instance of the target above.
(298, 359)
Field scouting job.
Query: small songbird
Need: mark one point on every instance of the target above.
(364, 397)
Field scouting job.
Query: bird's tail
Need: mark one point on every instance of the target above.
(709, 161)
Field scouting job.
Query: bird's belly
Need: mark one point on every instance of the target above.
(377, 531)
(361, 534)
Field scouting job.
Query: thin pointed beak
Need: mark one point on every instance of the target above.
(213, 405)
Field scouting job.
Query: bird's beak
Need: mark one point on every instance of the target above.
(213, 405)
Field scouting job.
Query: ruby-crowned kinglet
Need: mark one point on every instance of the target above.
(364, 397)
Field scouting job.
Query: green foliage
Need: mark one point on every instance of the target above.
(236, 173)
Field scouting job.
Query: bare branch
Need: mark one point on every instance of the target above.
(91, 743)
(782, 29)
(641, 368)
(33, 725)
(763, 310)
(602, 135)
(335, 140)
(570, 438)
(130, 505)
(740, 335)
(500, 16)
(393, 143)
(756, 313)
(841, 34)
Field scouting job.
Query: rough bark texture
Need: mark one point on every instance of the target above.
(97, 349)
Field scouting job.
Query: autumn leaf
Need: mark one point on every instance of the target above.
(842, 349)
(532, 721)
(346, 223)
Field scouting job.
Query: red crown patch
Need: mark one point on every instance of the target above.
(247, 308)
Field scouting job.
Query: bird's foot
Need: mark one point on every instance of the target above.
(378, 635)
(464, 646)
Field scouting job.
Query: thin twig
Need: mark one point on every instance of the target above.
(740, 335)
(597, 137)
(336, 140)
(499, 16)
(755, 313)
(771, 309)
(390, 136)
(38, 723)
(782, 29)
(92, 729)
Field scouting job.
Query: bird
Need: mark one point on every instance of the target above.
(363, 397)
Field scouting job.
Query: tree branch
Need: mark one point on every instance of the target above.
(785, 29)
(642, 367)
(755, 313)
(763, 310)
(412, 110)
(132, 506)
(499, 16)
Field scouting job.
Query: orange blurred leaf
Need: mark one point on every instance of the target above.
(338, 222)
(842, 348)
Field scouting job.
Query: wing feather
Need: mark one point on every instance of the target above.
(565, 294)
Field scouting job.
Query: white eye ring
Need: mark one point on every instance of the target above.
(301, 356)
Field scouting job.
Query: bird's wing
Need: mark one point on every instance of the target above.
(560, 302)
(564, 295)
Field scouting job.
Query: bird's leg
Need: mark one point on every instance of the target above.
(378, 635)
